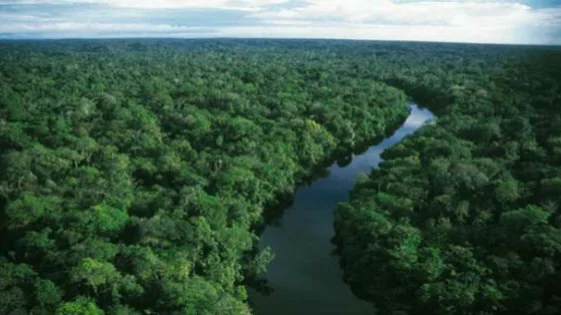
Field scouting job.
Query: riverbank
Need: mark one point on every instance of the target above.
(305, 277)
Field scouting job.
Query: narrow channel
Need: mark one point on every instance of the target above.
(304, 275)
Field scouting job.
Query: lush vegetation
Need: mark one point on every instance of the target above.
(134, 173)
(464, 217)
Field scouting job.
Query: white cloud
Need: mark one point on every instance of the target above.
(483, 21)
(213, 4)
(369, 32)
(391, 12)
(162, 4)
(54, 27)
(471, 21)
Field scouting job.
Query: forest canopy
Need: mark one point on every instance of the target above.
(134, 174)
(464, 217)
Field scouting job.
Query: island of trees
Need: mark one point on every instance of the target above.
(134, 174)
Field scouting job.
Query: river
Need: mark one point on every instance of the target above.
(304, 275)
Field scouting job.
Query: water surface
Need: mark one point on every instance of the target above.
(305, 276)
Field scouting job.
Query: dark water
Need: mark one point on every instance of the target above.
(305, 276)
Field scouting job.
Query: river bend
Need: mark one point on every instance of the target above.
(305, 276)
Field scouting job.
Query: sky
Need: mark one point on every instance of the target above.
(478, 21)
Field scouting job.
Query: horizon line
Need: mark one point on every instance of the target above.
(12, 39)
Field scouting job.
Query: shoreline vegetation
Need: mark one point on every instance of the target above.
(463, 217)
(134, 173)
(273, 211)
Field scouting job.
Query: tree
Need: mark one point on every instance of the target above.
(81, 305)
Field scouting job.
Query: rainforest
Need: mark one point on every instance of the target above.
(138, 176)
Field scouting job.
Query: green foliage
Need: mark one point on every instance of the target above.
(132, 182)
(81, 305)
(47, 293)
(470, 224)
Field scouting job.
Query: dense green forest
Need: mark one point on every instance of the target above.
(464, 217)
(134, 174)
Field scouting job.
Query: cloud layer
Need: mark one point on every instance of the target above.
(507, 21)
